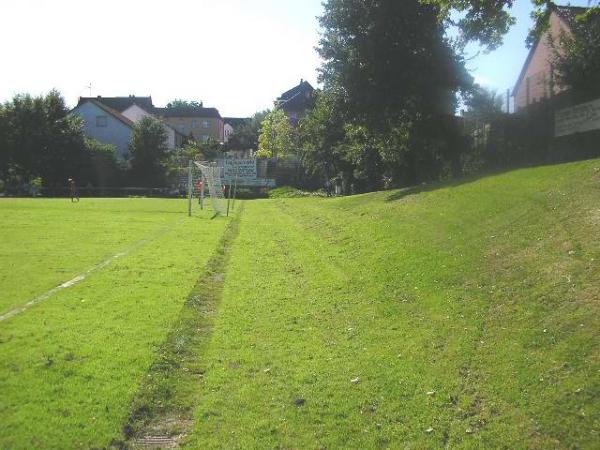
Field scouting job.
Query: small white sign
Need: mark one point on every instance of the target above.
(577, 119)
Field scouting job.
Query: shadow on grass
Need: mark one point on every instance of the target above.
(401, 193)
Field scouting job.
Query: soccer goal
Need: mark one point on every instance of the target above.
(205, 180)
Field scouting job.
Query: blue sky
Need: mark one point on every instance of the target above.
(236, 55)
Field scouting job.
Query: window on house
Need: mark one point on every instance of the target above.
(205, 124)
(194, 123)
(204, 138)
(101, 121)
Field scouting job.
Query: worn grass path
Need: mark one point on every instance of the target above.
(464, 316)
(162, 412)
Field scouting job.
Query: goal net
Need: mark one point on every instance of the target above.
(210, 175)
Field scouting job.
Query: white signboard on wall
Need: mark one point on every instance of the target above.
(577, 119)
(244, 169)
(243, 173)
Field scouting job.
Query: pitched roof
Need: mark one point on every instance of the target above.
(188, 112)
(122, 103)
(297, 98)
(567, 14)
(116, 114)
(302, 87)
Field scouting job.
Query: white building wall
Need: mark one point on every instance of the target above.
(135, 114)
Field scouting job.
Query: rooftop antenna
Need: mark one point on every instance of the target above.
(89, 87)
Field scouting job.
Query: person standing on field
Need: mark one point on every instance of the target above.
(74, 193)
(328, 187)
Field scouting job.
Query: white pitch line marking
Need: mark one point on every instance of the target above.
(79, 278)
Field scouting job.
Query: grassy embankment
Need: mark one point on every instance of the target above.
(462, 316)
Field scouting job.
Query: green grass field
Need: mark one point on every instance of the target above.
(71, 365)
(463, 315)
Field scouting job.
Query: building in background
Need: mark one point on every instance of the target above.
(122, 103)
(131, 108)
(175, 139)
(297, 101)
(536, 80)
(106, 125)
(198, 123)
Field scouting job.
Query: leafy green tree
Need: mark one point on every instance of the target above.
(577, 57)
(277, 139)
(322, 133)
(39, 138)
(246, 135)
(191, 150)
(102, 168)
(485, 22)
(149, 153)
(483, 104)
(185, 104)
(389, 58)
(210, 150)
(6, 148)
(398, 75)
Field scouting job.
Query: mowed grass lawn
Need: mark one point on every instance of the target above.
(462, 316)
(71, 365)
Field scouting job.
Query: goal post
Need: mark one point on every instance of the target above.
(210, 174)
(190, 186)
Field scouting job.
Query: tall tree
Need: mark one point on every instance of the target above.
(322, 131)
(245, 137)
(149, 152)
(39, 138)
(485, 21)
(102, 168)
(278, 138)
(398, 75)
(483, 104)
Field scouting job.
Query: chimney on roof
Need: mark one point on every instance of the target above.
(99, 96)
(301, 80)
